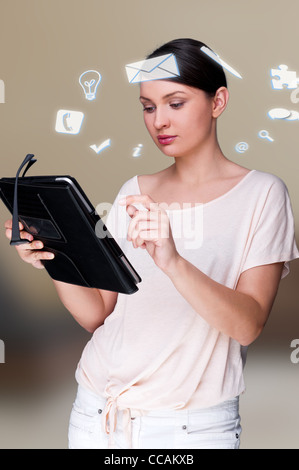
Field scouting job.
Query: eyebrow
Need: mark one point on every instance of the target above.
(166, 96)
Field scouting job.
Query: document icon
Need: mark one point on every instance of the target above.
(157, 68)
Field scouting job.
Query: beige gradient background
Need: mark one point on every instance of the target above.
(44, 46)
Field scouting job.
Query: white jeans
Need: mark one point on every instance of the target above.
(217, 427)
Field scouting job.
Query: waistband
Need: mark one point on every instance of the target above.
(95, 400)
(110, 410)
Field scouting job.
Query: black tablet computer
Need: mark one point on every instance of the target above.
(55, 210)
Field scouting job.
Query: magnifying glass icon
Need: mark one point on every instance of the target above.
(265, 135)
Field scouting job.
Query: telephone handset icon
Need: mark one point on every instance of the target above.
(69, 122)
(66, 121)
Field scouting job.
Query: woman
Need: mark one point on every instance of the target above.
(163, 368)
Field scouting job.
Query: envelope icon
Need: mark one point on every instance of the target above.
(157, 68)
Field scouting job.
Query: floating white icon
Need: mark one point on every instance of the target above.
(219, 61)
(283, 114)
(242, 147)
(137, 150)
(69, 122)
(157, 68)
(2, 91)
(90, 81)
(101, 147)
(265, 135)
(283, 78)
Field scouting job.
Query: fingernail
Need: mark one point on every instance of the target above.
(50, 255)
(122, 201)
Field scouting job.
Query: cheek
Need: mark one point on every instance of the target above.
(148, 121)
(199, 121)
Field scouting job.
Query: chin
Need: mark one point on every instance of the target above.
(169, 150)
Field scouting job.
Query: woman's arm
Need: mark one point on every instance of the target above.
(241, 313)
(88, 306)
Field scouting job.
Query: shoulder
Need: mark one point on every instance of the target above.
(148, 183)
(267, 181)
(139, 184)
(269, 189)
(153, 178)
(129, 186)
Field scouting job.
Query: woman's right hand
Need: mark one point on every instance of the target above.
(29, 252)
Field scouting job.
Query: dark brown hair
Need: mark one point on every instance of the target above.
(196, 68)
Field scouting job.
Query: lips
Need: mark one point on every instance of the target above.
(166, 139)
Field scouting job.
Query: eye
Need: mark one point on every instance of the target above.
(149, 109)
(176, 105)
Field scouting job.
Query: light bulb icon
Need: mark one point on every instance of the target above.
(90, 81)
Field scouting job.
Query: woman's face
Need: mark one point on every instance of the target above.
(179, 118)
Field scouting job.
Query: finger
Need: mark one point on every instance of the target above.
(36, 245)
(39, 263)
(23, 235)
(131, 210)
(34, 257)
(142, 220)
(26, 236)
(27, 248)
(42, 255)
(145, 228)
(8, 233)
(8, 224)
(147, 236)
(144, 199)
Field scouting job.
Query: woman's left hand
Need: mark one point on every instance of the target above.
(151, 230)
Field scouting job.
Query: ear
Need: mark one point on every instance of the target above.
(220, 101)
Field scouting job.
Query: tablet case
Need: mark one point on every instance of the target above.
(55, 210)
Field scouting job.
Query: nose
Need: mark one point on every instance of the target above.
(161, 118)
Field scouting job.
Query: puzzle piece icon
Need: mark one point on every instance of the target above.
(284, 78)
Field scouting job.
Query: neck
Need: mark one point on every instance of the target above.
(199, 167)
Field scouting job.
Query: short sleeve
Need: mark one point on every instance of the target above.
(273, 239)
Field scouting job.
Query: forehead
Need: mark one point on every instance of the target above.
(157, 89)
